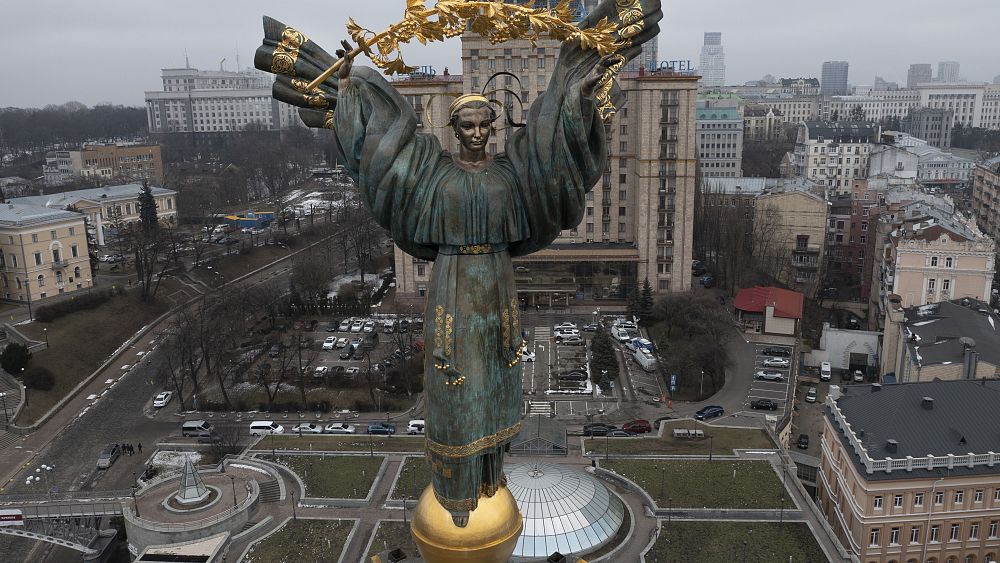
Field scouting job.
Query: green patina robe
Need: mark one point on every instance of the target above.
(471, 224)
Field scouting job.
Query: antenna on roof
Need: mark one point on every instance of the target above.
(187, 63)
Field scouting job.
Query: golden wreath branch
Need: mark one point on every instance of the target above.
(494, 20)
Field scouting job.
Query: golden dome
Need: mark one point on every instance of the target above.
(489, 537)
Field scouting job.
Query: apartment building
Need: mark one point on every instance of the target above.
(106, 205)
(834, 154)
(909, 473)
(43, 252)
(209, 101)
(986, 196)
(933, 125)
(762, 123)
(926, 252)
(921, 73)
(720, 138)
(638, 222)
(791, 108)
(104, 163)
(948, 340)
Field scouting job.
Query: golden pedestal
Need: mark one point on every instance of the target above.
(489, 537)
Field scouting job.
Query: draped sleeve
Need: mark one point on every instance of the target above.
(391, 164)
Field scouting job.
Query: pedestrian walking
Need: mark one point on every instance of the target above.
(140, 447)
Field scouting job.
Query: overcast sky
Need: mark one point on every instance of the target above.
(113, 50)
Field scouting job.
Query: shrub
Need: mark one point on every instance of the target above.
(39, 377)
(14, 358)
(89, 300)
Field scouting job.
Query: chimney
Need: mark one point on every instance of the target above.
(861, 433)
(927, 403)
(892, 446)
(876, 387)
(970, 358)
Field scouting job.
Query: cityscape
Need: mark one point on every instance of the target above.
(727, 320)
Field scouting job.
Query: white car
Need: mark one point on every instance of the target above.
(342, 342)
(369, 326)
(265, 427)
(769, 375)
(358, 326)
(567, 325)
(329, 343)
(345, 325)
(527, 356)
(162, 399)
(339, 428)
(777, 363)
(353, 370)
(415, 427)
(321, 371)
(307, 428)
(566, 332)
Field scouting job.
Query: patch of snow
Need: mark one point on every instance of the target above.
(126, 366)
(169, 458)
(922, 323)
(992, 323)
(24, 322)
(109, 381)
(249, 467)
(945, 363)
(92, 397)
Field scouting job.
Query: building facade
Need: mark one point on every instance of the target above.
(43, 252)
(931, 125)
(799, 235)
(104, 163)
(834, 154)
(720, 138)
(763, 123)
(948, 71)
(833, 79)
(638, 222)
(921, 485)
(713, 61)
(104, 207)
(986, 197)
(919, 74)
(204, 101)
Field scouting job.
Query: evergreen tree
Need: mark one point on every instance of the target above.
(632, 305)
(147, 211)
(646, 301)
(14, 358)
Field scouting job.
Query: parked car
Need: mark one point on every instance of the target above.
(709, 412)
(764, 404)
(195, 428)
(108, 456)
(803, 442)
(352, 370)
(332, 327)
(321, 372)
(659, 421)
(769, 375)
(307, 428)
(637, 343)
(347, 354)
(345, 325)
(565, 333)
(415, 427)
(358, 325)
(330, 342)
(777, 363)
(639, 426)
(592, 327)
(825, 371)
(572, 341)
(566, 325)
(274, 351)
(619, 433)
(527, 356)
(339, 428)
(263, 427)
(342, 342)
(162, 399)
(381, 428)
(708, 281)
(597, 429)
(777, 352)
(572, 376)
(859, 376)
(811, 395)
(369, 326)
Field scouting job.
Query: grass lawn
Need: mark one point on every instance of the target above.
(391, 535)
(413, 479)
(723, 441)
(80, 342)
(333, 476)
(765, 541)
(303, 540)
(356, 443)
(704, 484)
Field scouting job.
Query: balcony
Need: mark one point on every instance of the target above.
(806, 249)
(807, 266)
(59, 264)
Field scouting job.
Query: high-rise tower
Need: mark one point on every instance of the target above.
(834, 79)
(713, 61)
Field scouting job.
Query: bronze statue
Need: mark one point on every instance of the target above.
(470, 213)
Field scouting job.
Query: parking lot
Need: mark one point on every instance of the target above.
(774, 390)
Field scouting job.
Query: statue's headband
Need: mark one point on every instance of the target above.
(464, 100)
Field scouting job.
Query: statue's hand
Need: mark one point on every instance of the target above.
(344, 72)
(589, 84)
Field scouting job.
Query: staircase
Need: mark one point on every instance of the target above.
(270, 491)
(247, 526)
(543, 408)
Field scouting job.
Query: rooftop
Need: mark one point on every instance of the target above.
(843, 131)
(934, 428)
(935, 331)
(787, 304)
(20, 215)
(64, 199)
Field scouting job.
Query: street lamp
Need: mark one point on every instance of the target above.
(294, 515)
(3, 398)
(135, 503)
(710, 448)
(45, 330)
(232, 479)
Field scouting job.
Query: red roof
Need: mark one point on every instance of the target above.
(787, 304)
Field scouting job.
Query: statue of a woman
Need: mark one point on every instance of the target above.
(470, 213)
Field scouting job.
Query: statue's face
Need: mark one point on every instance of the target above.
(473, 127)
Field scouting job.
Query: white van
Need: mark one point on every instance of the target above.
(196, 428)
(645, 360)
(264, 427)
(415, 427)
(825, 371)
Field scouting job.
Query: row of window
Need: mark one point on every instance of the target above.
(918, 498)
(56, 257)
(933, 534)
(41, 279)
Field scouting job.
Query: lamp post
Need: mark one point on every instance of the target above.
(46, 332)
(135, 504)
(232, 480)
(710, 448)
(607, 440)
(3, 398)
(294, 515)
